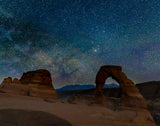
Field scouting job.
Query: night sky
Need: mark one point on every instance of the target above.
(73, 38)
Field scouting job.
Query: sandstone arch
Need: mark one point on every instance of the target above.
(130, 97)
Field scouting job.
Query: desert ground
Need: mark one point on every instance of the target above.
(67, 113)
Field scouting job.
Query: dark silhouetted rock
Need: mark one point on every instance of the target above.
(42, 77)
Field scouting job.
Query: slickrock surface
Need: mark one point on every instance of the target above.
(78, 114)
(18, 117)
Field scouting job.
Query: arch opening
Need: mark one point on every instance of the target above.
(111, 83)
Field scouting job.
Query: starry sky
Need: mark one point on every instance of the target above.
(73, 38)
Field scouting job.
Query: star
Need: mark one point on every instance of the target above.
(73, 39)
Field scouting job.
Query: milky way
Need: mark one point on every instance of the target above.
(73, 38)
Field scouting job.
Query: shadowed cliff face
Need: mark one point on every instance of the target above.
(131, 96)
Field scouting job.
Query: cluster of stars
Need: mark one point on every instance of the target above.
(72, 39)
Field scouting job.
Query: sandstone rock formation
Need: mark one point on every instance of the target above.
(7, 81)
(131, 96)
(33, 83)
(43, 91)
(16, 81)
(41, 76)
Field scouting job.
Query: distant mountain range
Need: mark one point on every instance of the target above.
(83, 87)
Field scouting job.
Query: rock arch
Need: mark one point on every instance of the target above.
(130, 97)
